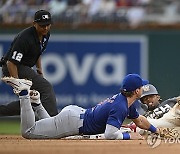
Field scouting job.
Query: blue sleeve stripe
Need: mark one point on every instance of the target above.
(126, 136)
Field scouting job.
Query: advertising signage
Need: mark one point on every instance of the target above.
(84, 69)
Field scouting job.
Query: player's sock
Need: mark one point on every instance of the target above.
(23, 93)
(35, 104)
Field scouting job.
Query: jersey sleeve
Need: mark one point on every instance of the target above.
(133, 114)
(116, 118)
(18, 48)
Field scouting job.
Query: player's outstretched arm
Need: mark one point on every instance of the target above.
(143, 123)
(112, 132)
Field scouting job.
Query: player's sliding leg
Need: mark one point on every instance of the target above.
(21, 87)
(66, 123)
(44, 128)
(27, 114)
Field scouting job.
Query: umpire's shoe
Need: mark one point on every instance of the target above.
(34, 97)
(18, 84)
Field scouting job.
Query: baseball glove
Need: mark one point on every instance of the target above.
(169, 133)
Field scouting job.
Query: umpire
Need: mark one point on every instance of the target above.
(24, 53)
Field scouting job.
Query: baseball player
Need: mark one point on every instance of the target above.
(106, 117)
(151, 105)
(165, 114)
(25, 52)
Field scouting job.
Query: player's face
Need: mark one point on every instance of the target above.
(152, 100)
(42, 30)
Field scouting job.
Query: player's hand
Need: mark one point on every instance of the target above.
(136, 136)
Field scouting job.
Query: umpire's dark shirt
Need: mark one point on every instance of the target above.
(26, 47)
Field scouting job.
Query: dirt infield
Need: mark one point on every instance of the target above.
(18, 145)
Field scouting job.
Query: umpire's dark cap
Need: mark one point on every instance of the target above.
(42, 17)
(132, 82)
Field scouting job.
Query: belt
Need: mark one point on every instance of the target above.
(81, 128)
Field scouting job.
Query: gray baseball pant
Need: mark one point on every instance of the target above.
(66, 123)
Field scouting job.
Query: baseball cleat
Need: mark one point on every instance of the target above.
(34, 96)
(17, 84)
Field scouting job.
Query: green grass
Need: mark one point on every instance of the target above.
(9, 127)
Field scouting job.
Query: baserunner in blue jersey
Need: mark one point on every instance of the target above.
(106, 117)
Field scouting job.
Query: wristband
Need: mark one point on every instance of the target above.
(126, 136)
(152, 128)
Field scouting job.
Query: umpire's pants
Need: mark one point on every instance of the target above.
(40, 84)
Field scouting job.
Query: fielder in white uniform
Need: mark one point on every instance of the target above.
(160, 114)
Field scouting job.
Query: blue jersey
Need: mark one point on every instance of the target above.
(112, 111)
